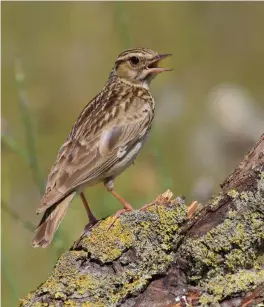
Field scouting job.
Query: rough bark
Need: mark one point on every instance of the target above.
(170, 254)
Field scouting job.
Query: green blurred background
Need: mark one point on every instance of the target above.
(209, 109)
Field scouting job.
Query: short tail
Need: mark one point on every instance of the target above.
(50, 222)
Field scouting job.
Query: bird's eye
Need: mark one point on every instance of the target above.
(134, 60)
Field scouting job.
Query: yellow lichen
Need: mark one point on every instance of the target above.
(223, 286)
(60, 295)
(218, 260)
(215, 201)
(69, 303)
(152, 234)
(233, 193)
(26, 300)
(106, 245)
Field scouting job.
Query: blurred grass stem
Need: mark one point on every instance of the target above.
(122, 24)
(27, 123)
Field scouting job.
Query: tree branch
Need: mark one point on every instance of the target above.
(168, 256)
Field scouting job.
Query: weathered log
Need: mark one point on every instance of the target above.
(168, 256)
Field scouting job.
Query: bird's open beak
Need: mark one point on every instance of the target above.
(153, 65)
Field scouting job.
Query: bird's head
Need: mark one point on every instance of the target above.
(139, 66)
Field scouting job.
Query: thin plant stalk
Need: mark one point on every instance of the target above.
(122, 26)
(27, 123)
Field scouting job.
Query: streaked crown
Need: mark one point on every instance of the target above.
(140, 52)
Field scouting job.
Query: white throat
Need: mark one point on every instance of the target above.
(144, 84)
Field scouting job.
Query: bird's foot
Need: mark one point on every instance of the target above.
(93, 221)
(119, 213)
(91, 217)
(86, 230)
(147, 206)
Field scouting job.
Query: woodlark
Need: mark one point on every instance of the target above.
(104, 141)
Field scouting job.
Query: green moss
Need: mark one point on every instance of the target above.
(223, 286)
(231, 245)
(225, 260)
(236, 259)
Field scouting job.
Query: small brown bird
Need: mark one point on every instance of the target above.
(104, 140)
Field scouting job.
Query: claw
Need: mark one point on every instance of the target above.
(117, 215)
(90, 225)
(147, 206)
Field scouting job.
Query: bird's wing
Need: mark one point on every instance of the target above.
(85, 156)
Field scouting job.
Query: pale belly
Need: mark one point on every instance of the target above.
(125, 162)
(119, 167)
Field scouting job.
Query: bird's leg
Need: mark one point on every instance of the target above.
(126, 205)
(109, 184)
(92, 218)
